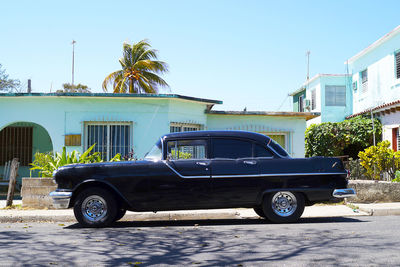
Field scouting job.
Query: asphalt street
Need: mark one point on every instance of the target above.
(340, 241)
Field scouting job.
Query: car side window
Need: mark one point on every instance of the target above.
(262, 152)
(187, 149)
(231, 148)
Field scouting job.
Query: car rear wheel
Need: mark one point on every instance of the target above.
(283, 206)
(95, 207)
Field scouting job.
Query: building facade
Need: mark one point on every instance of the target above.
(328, 94)
(125, 123)
(376, 83)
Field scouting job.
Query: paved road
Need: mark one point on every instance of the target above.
(355, 241)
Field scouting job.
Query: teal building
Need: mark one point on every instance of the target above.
(125, 123)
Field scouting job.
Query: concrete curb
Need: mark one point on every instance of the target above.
(23, 218)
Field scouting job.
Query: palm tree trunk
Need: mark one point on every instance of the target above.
(131, 85)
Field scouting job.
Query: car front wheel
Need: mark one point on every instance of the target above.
(283, 206)
(95, 207)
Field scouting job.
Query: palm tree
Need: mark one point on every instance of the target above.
(139, 70)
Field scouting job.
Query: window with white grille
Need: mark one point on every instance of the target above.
(364, 80)
(183, 127)
(110, 138)
(397, 56)
(335, 95)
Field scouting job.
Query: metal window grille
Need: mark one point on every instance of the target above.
(364, 80)
(397, 65)
(313, 99)
(110, 139)
(16, 142)
(183, 127)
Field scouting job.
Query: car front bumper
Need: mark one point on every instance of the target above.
(344, 192)
(61, 199)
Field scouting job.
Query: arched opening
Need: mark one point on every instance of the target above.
(22, 140)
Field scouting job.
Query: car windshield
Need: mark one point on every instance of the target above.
(155, 152)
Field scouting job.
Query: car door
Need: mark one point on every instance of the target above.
(234, 172)
(188, 185)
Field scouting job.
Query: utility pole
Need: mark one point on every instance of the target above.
(308, 64)
(73, 58)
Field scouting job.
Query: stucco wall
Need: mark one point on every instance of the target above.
(383, 87)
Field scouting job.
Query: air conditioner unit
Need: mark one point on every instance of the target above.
(306, 103)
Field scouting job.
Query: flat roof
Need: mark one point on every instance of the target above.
(195, 99)
(306, 115)
(319, 75)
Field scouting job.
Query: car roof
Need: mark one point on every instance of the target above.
(238, 134)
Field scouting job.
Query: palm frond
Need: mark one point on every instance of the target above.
(153, 65)
(116, 75)
(154, 79)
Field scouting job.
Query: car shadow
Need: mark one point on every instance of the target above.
(215, 222)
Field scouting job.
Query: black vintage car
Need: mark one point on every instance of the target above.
(202, 170)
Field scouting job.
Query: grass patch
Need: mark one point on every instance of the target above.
(15, 207)
(329, 203)
(353, 207)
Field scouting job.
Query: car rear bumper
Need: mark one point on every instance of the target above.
(344, 192)
(61, 199)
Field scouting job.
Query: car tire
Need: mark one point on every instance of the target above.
(259, 211)
(95, 207)
(120, 214)
(283, 206)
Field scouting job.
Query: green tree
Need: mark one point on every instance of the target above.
(7, 84)
(341, 138)
(78, 88)
(140, 69)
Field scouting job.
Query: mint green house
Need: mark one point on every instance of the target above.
(328, 94)
(125, 123)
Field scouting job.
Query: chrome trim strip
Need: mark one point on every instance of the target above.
(185, 177)
(345, 192)
(252, 175)
(274, 174)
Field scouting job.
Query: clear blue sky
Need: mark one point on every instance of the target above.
(245, 53)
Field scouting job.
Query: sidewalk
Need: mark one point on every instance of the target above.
(21, 215)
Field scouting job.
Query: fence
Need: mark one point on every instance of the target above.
(357, 172)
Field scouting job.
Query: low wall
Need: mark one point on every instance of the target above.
(35, 193)
(374, 191)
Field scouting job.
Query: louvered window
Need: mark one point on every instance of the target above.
(335, 95)
(398, 65)
(313, 99)
(364, 80)
(16, 142)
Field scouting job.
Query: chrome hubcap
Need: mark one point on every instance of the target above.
(94, 208)
(284, 203)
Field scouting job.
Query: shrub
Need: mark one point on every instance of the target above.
(47, 163)
(380, 159)
(341, 138)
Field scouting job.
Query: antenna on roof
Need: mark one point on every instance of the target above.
(308, 64)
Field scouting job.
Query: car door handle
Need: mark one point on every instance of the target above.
(201, 163)
(250, 162)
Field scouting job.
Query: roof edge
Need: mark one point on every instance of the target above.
(372, 46)
(306, 115)
(190, 98)
(319, 75)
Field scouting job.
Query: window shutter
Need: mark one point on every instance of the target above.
(313, 99)
(398, 65)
